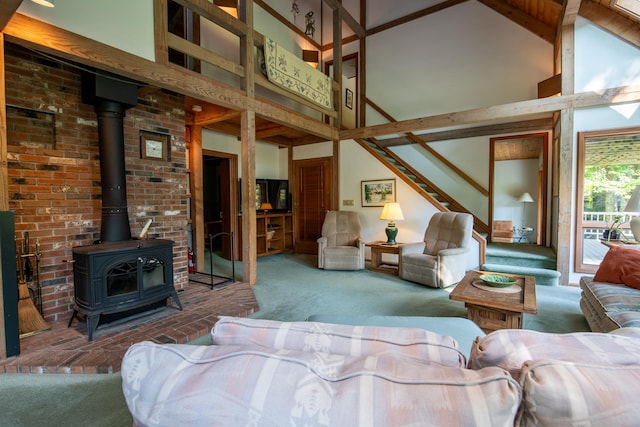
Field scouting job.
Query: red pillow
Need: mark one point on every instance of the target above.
(620, 265)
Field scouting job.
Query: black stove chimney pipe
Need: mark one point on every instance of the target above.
(115, 219)
(110, 96)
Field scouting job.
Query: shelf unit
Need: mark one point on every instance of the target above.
(274, 233)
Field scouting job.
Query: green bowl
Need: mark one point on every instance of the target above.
(497, 281)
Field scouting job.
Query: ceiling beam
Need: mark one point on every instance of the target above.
(504, 128)
(346, 17)
(613, 22)
(504, 113)
(7, 10)
(570, 11)
(523, 19)
(413, 16)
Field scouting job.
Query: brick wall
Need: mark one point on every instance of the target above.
(54, 170)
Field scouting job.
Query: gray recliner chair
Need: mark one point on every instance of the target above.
(341, 247)
(441, 259)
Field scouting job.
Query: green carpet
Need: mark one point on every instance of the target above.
(290, 287)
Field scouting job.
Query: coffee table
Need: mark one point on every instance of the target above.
(496, 308)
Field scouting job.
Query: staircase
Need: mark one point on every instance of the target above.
(523, 259)
(418, 182)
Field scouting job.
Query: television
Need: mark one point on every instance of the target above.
(272, 191)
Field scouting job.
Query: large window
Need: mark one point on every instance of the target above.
(608, 171)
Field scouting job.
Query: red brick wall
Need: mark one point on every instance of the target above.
(54, 171)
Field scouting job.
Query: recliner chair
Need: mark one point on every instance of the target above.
(341, 246)
(441, 259)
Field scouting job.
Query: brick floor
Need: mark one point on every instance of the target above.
(67, 350)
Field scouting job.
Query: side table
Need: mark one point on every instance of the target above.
(377, 250)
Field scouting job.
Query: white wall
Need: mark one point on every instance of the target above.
(601, 61)
(123, 24)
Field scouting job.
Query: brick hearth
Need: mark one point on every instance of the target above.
(63, 350)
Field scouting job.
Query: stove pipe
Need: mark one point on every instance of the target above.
(110, 96)
(115, 219)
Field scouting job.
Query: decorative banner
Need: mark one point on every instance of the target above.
(289, 72)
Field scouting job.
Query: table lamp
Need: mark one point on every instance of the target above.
(391, 212)
(525, 198)
(633, 205)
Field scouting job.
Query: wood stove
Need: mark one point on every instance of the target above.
(117, 276)
(122, 278)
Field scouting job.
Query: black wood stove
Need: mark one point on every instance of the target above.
(117, 276)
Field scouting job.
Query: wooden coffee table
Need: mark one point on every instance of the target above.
(496, 308)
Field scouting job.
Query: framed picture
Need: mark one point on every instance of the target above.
(348, 99)
(154, 145)
(377, 193)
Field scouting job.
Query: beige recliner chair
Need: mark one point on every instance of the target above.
(441, 259)
(341, 247)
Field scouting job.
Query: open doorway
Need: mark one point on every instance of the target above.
(220, 202)
(518, 186)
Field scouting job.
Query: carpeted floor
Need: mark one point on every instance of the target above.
(290, 287)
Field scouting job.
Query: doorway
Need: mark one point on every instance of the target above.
(518, 185)
(220, 202)
(312, 188)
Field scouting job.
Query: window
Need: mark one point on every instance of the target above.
(608, 171)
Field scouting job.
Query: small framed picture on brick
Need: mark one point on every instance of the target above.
(154, 145)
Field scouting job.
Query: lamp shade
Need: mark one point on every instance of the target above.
(633, 205)
(266, 206)
(526, 198)
(391, 211)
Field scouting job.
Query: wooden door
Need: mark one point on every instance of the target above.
(313, 188)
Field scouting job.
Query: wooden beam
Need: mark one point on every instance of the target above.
(504, 113)
(213, 114)
(613, 22)
(500, 129)
(7, 9)
(570, 11)
(346, 17)
(550, 87)
(47, 38)
(216, 15)
(523, 19)
(191, 49)
(415, 15)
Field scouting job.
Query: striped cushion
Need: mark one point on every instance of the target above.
(187, 385)
(509, 349)
(339, 339)
(557, 393)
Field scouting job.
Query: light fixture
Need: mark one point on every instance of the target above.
(633, 205)
(391, 212)
(45, 3)
(196, 108)
(311, 57)
(525, 198)
(266, 206)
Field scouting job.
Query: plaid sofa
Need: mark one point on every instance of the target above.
(609, 306)
(268, 373)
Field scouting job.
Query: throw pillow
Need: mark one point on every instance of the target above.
(620, 265)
